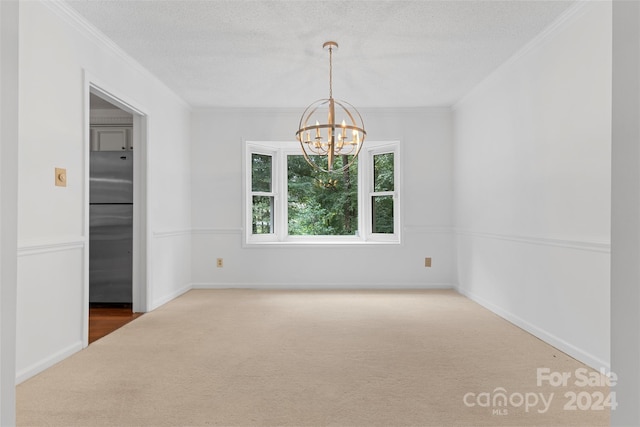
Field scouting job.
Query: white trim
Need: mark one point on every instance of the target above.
(419, 229)
(10, 53)
(141, 243)
(99, 87)
(392, 147)
(44, 364)
(436, 109)
(235, 231)
(141, 233)
(169, 297)
(77, 21)
(171, 233)
(557, 26)
(328, 286)
(49, 246)
(316, 243)
(416, 229)
(542, 241)
(298, 111)
(545, 336)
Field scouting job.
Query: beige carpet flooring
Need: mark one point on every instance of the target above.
(310, 358)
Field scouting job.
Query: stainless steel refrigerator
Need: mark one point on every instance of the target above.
(110, 227)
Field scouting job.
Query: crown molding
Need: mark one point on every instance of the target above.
(299, 111)
(93, 34)
(557, 26)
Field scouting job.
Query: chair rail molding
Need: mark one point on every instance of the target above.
(593, 246)
(35, 247)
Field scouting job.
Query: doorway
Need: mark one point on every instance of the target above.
(115, 271)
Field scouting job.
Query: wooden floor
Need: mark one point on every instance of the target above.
(105, 318)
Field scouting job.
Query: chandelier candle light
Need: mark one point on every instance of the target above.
(319, 133)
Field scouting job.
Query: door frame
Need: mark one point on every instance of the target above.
(140, 290)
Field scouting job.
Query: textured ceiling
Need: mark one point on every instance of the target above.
(269, 53)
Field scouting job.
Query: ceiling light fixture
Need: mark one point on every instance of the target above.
(320, 135)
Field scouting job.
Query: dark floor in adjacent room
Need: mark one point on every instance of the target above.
(106, 318)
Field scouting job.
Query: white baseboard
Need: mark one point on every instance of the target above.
(166, 298)
(38, 367)
(559, 343)
(317, 286)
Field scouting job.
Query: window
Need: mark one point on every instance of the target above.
(383, 194)
(262, 194)
(287, 201)
(319, 203)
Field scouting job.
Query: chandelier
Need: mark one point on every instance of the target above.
(320, 134)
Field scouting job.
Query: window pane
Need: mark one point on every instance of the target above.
(382, 214)
(320, 203)
(262, 220)
(261, 172)
(383, 172)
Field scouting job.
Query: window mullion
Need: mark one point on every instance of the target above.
(383, 193)
(281, 180)
(363, 205)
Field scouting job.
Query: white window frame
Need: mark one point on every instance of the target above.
(383, 148)
(279, 150)
(251, 149)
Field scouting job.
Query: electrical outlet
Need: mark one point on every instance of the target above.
(427, 262)
(219, 263)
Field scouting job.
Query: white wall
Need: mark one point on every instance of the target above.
(625, 213)
(9, 13)
(425, 137)
(532, 186)
(57, 50)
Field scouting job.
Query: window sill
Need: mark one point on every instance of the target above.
(321, 243)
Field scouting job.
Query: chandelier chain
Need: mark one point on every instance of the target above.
(330, 72)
